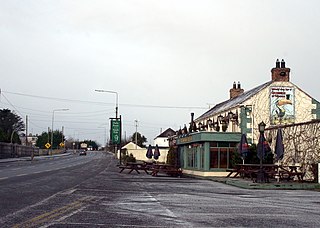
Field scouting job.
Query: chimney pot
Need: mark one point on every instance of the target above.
(280, 73)
(236, 90)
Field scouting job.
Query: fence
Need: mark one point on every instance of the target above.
(9, 150)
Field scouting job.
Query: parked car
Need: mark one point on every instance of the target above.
(82, 152)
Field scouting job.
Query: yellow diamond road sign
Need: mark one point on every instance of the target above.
(48, 145)
(61, 144)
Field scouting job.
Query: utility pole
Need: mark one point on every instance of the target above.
(26, 130)
(48, 134)
(62, 137)
(136, 137)
(53, 111)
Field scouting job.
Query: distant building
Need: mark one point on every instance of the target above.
(31, 139)
(140, 153)
(162, 139)
(131, 146)
(214, 135)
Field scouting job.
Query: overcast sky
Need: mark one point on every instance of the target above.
(164, 58)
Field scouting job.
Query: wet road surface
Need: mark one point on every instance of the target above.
(113, 199)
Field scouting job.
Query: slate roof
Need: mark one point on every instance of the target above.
(167, 133)
(234, 102)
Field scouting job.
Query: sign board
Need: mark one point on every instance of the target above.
(115, 131)
(61, 144)
(83, 145)
(48, 145)
(282, 105)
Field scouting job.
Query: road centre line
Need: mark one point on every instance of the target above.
(54, 214)
(64, 217)
(46, 217)
(36, 172)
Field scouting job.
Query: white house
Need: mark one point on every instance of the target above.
(162, 139)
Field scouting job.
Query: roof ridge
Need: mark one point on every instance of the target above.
(234, 101)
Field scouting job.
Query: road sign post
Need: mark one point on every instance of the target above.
(115, 134)
(115, 131)
(47, 145)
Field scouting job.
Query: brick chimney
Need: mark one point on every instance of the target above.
(280, 73)
(236, 90)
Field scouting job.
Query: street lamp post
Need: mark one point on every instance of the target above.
(117, 105)
(55, 110)
(109, 91)
(261, 178)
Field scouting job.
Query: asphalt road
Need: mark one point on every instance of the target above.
(24, 183)
(108, 198)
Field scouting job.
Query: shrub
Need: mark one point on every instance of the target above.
(172, 157)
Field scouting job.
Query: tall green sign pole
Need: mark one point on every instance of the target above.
(116, 131)
(116, 134)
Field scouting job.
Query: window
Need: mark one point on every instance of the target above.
(192, 157)
(213, 144)
(214, 158)
(224, 158)
(221, 154)
(202, 157)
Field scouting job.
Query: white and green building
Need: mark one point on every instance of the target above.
(207, 147)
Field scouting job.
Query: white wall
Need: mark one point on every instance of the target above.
(140, 155)
(261, 106)
(161, 141)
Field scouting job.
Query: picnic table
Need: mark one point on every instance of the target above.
(135, 166)
(154, 168)
(272, 171)
(290, 172)
(251, 170)
(167, 169)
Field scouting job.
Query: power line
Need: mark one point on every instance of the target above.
(11, 104)
(103, 111)
(104, 103)
(18, 110)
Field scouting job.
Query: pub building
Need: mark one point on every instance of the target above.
(206, 146)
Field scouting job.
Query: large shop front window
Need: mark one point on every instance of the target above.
(220, 155)
(192, 155)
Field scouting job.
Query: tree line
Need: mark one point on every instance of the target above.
(12, 126)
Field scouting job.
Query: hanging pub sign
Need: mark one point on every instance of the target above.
(281, 105)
